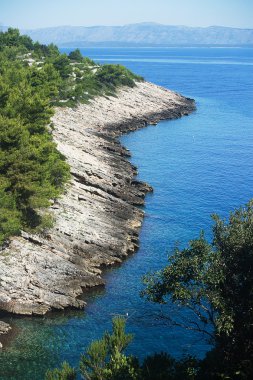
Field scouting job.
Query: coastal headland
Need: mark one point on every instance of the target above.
(97, 220)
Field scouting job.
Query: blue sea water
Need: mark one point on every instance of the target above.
(197, 165)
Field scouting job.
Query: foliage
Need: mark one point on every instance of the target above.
(61, 64)
(64, 373)
(13, 38)
(104, 359)
(75, 55)
(10, 218)
(115, 75)
(163, 367)
(32, 171)
(215, 281)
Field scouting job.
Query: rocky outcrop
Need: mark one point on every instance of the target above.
(96, 220)
(4, 329)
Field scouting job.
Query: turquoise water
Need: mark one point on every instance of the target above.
(198, 165)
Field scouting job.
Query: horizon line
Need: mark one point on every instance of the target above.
(128, 24)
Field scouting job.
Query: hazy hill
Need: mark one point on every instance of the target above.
(142, 34)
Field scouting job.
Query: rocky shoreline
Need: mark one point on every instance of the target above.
(4, 329)
(97, 222)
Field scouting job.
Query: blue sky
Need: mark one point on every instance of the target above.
(44, 13)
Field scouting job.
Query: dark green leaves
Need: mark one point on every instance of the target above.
(32, 171)
(104, 358)
(215, 282)
(63, 373)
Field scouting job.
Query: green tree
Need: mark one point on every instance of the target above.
(11, 38)
(10, 217)
(116, 75)
(104, 358)
(32, 171)
(63, 373)
(75, 55)
(215, 281)
(62, 65)
(46, 80)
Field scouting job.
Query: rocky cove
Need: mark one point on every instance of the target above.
(97, 220)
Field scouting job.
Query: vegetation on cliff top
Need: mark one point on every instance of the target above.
(33, 79)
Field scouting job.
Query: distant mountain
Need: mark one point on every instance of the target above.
(144, 34)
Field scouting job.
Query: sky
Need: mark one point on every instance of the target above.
(31, 14)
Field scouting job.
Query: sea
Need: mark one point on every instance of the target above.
(198, 165)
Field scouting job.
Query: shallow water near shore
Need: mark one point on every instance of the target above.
(197, 165)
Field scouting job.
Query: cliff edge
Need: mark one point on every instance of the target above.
(97, 222)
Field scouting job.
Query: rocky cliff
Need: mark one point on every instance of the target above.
(96, 220)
